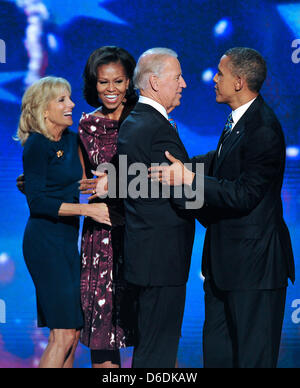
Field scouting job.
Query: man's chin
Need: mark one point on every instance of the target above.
(219, 100)
(173, 106)
(177, 103)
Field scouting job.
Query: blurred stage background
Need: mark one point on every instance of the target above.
(55, 38)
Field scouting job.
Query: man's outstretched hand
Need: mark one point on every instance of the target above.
(174, 175)
(97, 187)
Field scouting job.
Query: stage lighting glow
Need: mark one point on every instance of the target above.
(223, 28)
(201, 277)
(208, 75)
(291, 15)
(43, 345)
(78, 8)
(4, 258)
(52, 42)
(293, 152)
(7, 269)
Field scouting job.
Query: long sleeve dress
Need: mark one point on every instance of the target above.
(107, 301)
(50, 245)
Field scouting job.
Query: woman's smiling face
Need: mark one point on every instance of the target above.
(58, 114)
(112, 84)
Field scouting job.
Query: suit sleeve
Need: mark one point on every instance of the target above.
(167, 141)
(35, 163)
(203, 214)
(263, 161)
(207, 159)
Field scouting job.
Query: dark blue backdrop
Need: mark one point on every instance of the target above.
(55, 38)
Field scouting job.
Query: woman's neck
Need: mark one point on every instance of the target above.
(56, 132)
(112, 114)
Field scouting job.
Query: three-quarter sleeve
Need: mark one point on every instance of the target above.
(35, 164)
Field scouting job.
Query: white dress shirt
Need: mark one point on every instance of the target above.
(236, 115)
(154, 104)
(239, 112)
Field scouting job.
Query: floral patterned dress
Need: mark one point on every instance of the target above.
(107, 301)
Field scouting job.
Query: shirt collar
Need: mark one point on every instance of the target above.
(154, 104)
(238, 113)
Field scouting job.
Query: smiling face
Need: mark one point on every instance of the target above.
(58, 115)
(170, 84)
(112, 84)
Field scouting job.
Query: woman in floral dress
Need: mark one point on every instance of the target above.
(107, 301)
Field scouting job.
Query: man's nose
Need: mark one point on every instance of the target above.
(182, 83)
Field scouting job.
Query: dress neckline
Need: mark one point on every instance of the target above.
(99, 117)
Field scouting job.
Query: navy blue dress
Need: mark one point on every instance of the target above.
(50, 246)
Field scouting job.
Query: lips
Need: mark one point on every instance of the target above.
(68, 114)
(111, 98)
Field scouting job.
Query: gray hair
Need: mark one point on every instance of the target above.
(150, 62)
(248, 63)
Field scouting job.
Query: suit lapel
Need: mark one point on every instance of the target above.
(237, 133)
(231, 142)
(139, 108)
(182, 145)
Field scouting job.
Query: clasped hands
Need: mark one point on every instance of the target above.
(99, 212)
(98, 187)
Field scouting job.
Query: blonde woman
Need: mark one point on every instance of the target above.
(52, 169)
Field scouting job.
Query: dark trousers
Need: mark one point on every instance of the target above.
(242, 329)
(160, 315)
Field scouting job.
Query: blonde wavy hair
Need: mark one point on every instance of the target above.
(34, 104)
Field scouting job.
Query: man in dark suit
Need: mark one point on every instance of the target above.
(158, 235)
(247, 255)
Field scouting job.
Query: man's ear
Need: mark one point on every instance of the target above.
(154, 82)
(239, 84)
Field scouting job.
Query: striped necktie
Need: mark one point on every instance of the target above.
(226, 132)
(174, 125)
(227, 129)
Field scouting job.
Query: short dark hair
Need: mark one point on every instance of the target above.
(250, 64)
(103, 56)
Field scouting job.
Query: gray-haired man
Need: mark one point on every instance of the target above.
(158, 236)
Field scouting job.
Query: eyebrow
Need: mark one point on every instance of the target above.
(120, 76)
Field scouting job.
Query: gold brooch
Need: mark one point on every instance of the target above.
(59, 153)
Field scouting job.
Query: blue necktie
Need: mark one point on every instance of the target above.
(227, 129)
(226, 132)
(174, 125)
